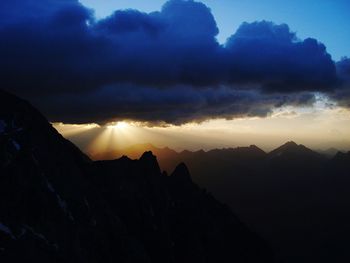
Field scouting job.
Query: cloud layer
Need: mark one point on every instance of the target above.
(163, 66)
(342, 93)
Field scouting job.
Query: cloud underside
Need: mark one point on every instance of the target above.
(160, 67)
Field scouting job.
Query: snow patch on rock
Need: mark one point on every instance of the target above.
(60, 201)
(7, 230)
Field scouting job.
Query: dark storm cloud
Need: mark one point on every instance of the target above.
(272, 55)
(162, 66)
(342, 94)
(174, 105)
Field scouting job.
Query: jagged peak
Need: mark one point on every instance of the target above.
(290, 145)
(181, 171)
(295, 149)
(148, 155)
(150, 161)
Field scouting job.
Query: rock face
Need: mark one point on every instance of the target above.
(56, 205)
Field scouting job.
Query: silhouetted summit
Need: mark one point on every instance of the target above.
(149, 162)
(181, 175)
(56, 205)
(181, 171)
(291, 156)
(291, 148)
(294, 197)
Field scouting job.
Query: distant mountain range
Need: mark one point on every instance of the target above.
(56, 205)
(169, 158)
(296, 198)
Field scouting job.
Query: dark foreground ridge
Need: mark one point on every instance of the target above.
(295, 198)
(56, 205)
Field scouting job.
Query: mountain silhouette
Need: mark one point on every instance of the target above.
(294, 197)
(57, 205)
(291, 150)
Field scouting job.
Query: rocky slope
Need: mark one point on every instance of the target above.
(56, 205)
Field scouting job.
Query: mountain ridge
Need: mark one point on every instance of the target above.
(56, 205)
(293, 196)
(243, 154)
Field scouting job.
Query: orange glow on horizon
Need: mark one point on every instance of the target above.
(317, 128)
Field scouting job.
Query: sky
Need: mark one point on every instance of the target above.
(183, 74)
(324, 20)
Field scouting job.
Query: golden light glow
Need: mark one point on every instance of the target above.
(120, 125)
(318, 127)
